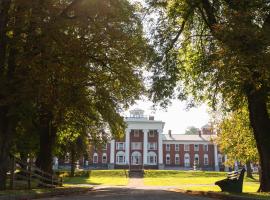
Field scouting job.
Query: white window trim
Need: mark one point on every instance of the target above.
(197, 148)
(186, 147)
(95, 155)
(117, 145)
(185, 163)
(205, 149)
(178, 147)
(152, 154)
(168, 145)
(168, 162)
(134, 146)
(204, 157)
(104, 154)
(177, 156)
(154, 146)
(118, 154)
(197, 156)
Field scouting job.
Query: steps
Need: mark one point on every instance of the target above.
(136, 173)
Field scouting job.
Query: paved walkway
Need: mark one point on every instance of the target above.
(118, 193)
(135, 182)
(135, 190)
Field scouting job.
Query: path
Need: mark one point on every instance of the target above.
(117, 193)
(135, 182)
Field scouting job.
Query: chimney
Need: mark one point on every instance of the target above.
(151, 117)
(200, 133)
(170, 133)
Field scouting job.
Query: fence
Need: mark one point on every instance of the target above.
(27, 174)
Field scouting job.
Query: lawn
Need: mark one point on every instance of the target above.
(190, 180)
(99, 177)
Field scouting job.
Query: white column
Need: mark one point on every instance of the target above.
(226, 167)
(145, 146)
(127, 148)
(216, 158)
(112, 155)
(160, 147)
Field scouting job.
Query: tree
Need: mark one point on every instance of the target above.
(192, 130)
(236, 139)
(217, 51)
(60, 58)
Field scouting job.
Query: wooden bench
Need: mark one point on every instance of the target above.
(233, 182)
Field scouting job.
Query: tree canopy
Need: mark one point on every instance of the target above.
(192, 130)
(235, 138)
(216, 51)
(66, 65)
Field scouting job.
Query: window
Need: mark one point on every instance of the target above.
(104, 158)
(151, 133)
(196, 147)
(186, 160)
(104, 147)
(177, 159)
(95, 158)
(176, 147)
(152, 146)
(136, 133)
(168, 147)
(136, 145)
(152, 158)
(196, 159)
(120, 158)
(168, 159)
(186, 147)
(120, 146)
(205, 147)
(205, 160)
(136, 158)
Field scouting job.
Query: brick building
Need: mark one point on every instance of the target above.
(145, 146)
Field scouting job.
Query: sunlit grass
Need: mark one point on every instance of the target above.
(190, 180)
(100, 177)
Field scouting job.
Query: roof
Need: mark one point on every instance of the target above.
(185, 137)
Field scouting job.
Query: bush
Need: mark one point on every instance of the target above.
(96, 173)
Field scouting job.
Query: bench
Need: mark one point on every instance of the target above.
(233, 182)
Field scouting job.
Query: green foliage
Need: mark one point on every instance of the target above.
(216, 52)
(192, 130)
(209, 56)
(67, 70)
(235, 138)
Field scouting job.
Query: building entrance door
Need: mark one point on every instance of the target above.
(136, 158)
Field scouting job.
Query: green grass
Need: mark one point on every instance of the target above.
(178, 178)
(199, 181)
(99, 177)
(189, 180)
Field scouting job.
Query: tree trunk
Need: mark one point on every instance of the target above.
(6, 136)
(249, 170)
(72, 160)
(260, 123)
(47, 141)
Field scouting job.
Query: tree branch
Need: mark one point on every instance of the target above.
(209, 11)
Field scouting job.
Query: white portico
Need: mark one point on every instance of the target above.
(142, 145)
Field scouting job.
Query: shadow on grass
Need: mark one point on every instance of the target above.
(80, 180)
